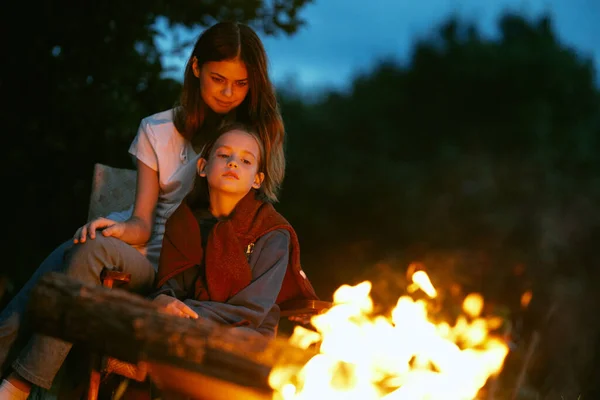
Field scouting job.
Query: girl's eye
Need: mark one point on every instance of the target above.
(247, 161)
(242, 84)
(222, 155)
(217, 79)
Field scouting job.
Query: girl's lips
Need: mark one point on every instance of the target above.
(232, 174)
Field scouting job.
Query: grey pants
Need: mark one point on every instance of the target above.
(41, 357)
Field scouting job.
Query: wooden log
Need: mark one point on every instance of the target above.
(131, 328)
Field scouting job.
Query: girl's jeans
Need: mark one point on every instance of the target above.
(40, 357)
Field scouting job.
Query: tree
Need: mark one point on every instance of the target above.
(456, 148)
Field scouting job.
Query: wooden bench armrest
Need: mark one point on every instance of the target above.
(292, 308)
(109, 276)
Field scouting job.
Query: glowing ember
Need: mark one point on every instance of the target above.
(473, 304)
(526, 298)
(403, 356)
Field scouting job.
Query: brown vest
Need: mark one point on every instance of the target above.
(226, 266)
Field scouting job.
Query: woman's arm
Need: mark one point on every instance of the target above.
(138, 228)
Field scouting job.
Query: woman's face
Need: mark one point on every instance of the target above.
(223, 84)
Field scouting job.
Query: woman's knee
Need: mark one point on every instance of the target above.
(90, 257)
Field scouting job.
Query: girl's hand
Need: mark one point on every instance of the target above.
(173, 306)
(108, 227)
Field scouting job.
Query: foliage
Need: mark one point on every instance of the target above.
(458, 149)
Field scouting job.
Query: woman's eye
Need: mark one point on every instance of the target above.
(217, 79)
(242, 84)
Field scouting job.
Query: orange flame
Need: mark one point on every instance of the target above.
(402, 356)
(421, 279)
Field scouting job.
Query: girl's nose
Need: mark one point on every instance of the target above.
(232, 163)
(227, 91)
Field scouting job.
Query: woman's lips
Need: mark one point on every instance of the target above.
(223, 103)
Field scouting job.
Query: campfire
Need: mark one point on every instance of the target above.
(404, 355)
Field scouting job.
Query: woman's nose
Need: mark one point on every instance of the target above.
(227, 91)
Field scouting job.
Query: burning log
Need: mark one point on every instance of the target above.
(126, 326)
(404, 355)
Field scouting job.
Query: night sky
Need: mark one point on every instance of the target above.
(344, 37)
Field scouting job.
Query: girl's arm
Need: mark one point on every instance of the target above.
(252, 304)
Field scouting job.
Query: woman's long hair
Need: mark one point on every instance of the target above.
(259, 110)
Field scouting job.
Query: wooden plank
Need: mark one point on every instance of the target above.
(131, 328)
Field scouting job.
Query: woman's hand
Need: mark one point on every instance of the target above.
(108, 227)
(173, 306)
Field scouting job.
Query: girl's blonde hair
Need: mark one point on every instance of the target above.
(267, 190)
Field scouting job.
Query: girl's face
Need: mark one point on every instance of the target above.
(232, 166)
(223, 84)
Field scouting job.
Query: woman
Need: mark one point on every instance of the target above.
(226, 78)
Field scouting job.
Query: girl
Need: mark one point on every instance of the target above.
(228, 255)
(226, 79)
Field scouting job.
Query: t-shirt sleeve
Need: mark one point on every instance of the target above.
(143, 146)
(121, 216)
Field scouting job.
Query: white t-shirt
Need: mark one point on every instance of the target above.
(159, 145)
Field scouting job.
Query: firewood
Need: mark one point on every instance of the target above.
(116, 323)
